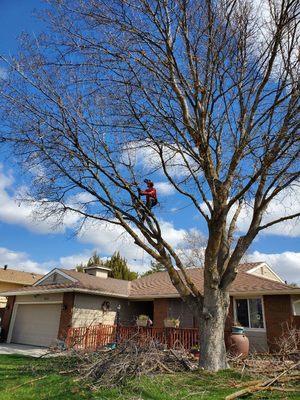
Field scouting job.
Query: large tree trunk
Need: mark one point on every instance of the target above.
(212, 323)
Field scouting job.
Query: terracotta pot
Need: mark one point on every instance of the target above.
(238, 345)
(195, 352)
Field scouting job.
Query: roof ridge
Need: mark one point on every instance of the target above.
(89, 275)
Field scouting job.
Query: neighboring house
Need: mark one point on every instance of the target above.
(40, 314)
(12, 279)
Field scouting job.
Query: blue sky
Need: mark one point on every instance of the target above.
(30, 245)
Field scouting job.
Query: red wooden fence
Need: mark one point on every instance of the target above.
(94, 337)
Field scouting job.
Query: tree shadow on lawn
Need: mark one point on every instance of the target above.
(25, 378)
(189, 386)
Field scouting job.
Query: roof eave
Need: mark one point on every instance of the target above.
(18, 282)
(266, 292)
(62, 290)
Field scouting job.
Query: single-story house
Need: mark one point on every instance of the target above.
(40, 314)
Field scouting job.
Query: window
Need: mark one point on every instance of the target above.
(249, 313)
(296, 306)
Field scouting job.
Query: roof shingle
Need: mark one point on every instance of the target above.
(105, 285)
(18, 277)
(159, 284)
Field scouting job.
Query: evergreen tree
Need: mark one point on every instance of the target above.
(154, 267)
(95, 260)
(117, 265)
(119, 268)
(79, 267)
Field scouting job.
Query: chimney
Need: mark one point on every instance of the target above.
(5, 267)
(97, 270)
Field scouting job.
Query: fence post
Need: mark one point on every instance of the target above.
(118, 324)
(68, 338)
(86, 338)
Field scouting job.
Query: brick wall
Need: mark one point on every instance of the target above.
(278, 311)
(7, 317)
(66, 315)
(88, 310)
(160, 312)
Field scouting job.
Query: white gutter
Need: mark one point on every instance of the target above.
(252, 293)
(62, 290)
(142, 297)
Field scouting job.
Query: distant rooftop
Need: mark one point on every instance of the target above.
(18, 277)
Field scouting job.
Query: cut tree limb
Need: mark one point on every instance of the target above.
(261, 386)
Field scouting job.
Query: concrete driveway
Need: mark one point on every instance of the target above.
(22, 349)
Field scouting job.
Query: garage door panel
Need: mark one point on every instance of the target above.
(36, 324)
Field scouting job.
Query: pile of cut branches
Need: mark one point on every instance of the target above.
(269, 365)
(276, 383)
(266, 365)
(130, 359)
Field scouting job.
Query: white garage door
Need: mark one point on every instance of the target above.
(36, 324)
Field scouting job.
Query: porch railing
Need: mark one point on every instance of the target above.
(94, 337)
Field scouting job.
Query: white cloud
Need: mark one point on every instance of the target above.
(144, 156)
(285, 203)
(286, 264)
(108, 238)
(22, 262)
(13, 211)
(70, 262)
(262, 25)
(164, 188)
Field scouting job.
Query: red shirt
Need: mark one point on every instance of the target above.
(150, 193)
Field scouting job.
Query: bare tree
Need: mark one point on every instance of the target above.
(208, 89)
(192, 249)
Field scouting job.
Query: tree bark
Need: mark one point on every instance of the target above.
(212, 324)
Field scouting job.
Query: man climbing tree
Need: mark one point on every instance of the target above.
(205, 93)
(151, 197)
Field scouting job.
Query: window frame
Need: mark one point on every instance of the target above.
(294, 309)
(262, 307)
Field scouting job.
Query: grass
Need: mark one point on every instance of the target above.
(17, 374)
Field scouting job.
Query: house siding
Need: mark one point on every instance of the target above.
(264, 272)
(40, 298)
(88, 311)
(54, 278)
(6, 287)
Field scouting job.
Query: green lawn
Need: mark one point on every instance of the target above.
(17, 370)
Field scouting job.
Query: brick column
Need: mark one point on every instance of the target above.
(7, 317)
(66, 315)
(278, 310)
(160, 312)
